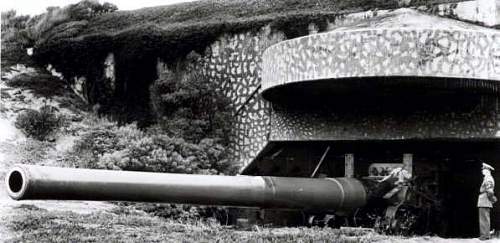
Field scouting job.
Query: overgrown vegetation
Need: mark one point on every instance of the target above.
(190, 136)
(213, 11)
(14, 27)
(39, 225)
(107, 146)
(40, 84)
(14, 38)
(67, 21)
(191, 106)
(39, 124)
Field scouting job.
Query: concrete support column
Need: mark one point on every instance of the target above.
(349, 165)
(408, 162)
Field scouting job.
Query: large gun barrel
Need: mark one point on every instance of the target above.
(326, 194)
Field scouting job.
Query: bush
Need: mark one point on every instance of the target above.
(107, 146)
(191, 106)
(39, 124)
(14, 39)
(87, 9)
(43, 25)
(13, 27)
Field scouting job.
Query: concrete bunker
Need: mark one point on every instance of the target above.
(404, 88)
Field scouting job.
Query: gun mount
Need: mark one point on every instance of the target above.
(325, 194)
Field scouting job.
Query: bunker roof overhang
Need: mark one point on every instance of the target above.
(394, 46)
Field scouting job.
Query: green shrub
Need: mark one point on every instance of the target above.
(191, 106)
(87, 9)
(15, 39)
(39, 124)
(43, 26)
(107, 146)
(14, 26)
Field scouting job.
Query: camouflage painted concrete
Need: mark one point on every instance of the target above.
(400, 43)
(234, 62)
(480, 119)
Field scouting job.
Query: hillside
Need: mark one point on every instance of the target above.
(222, 11)
(184, 27)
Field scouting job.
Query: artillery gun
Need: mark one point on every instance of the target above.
(339, 196)
(316, 194)
(335, 196)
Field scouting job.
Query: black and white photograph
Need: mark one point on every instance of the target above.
(250, 121)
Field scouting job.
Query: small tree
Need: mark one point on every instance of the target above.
(192, 107)
(14, 28)
(42, 24)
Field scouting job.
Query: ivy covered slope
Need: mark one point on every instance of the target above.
(174, 30)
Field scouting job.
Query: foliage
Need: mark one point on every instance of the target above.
(67, 29)
(21, 32)
(14, 27)
(41, 123)
(224, 11)
(42, 26)
(14, 38)
(88, 9)
(11, 20)
(40, 84)
(191, 106)
(106, 146)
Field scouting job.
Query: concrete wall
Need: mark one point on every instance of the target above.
(400, 43)
(234, 62)
(403, 50)
(410, 117)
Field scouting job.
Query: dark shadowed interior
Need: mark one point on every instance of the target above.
(15, 181)
(448, 169)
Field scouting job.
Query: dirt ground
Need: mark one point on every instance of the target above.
(82, 221)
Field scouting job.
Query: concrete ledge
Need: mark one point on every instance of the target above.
(402, 43)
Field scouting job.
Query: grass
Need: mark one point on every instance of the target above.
(34, 224)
